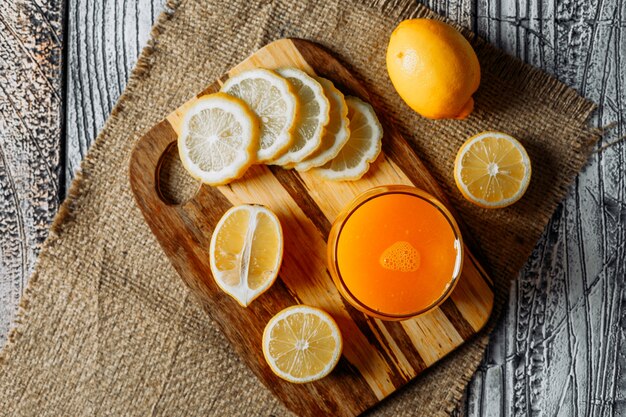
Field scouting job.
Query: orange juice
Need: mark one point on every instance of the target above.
(395, 252)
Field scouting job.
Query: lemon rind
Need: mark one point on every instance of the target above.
(249, 295)
(286, 137)
(307, 310)
(248, 120)
(369, 157)
(338, 139)
(480, 201)
(311, 145)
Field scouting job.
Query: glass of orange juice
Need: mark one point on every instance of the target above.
(395, 252)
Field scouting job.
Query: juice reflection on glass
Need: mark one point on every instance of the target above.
(395, 252)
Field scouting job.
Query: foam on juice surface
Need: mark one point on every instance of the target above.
(401, 256)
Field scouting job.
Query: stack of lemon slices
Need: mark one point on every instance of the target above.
(284, 117)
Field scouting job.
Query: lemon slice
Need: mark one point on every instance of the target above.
(337, 130)
(492, 170)
(302, 344)
(314, 116)
(362, 147)
(246, 252)
(273, 99)
(219, 138)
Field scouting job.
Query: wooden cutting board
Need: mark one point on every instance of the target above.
(379, 357)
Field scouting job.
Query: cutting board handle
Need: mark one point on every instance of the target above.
(147, 157)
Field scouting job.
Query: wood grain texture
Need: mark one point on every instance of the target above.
(377, 357)
(104, 40)
(560, 349)
(30, 130)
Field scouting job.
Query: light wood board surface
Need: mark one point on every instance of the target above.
(559, 349)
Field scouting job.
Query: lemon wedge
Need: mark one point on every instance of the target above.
(337, 130)
(362, 148)
(302, 344)
(273, 100)
(219, 139)
(492, 170)
(314, 116)
(246, 252)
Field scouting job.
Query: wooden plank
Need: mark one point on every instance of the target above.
(368, 372)
(560, 348)
(459, 11)
(104, 40)
(30, 131)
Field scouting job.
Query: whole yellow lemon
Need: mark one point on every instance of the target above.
(433, 68)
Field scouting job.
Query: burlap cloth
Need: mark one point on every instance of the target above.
(106, 326)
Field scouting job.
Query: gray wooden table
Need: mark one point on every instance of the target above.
(560, 349)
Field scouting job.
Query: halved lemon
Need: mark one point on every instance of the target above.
(246, 251)
(362, 147)
(492, 170)
(314, 116)
(273, 99)
(337, 130)
(302, 344)
(219, 139)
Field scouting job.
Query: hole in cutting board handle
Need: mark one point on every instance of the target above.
(174, 185)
